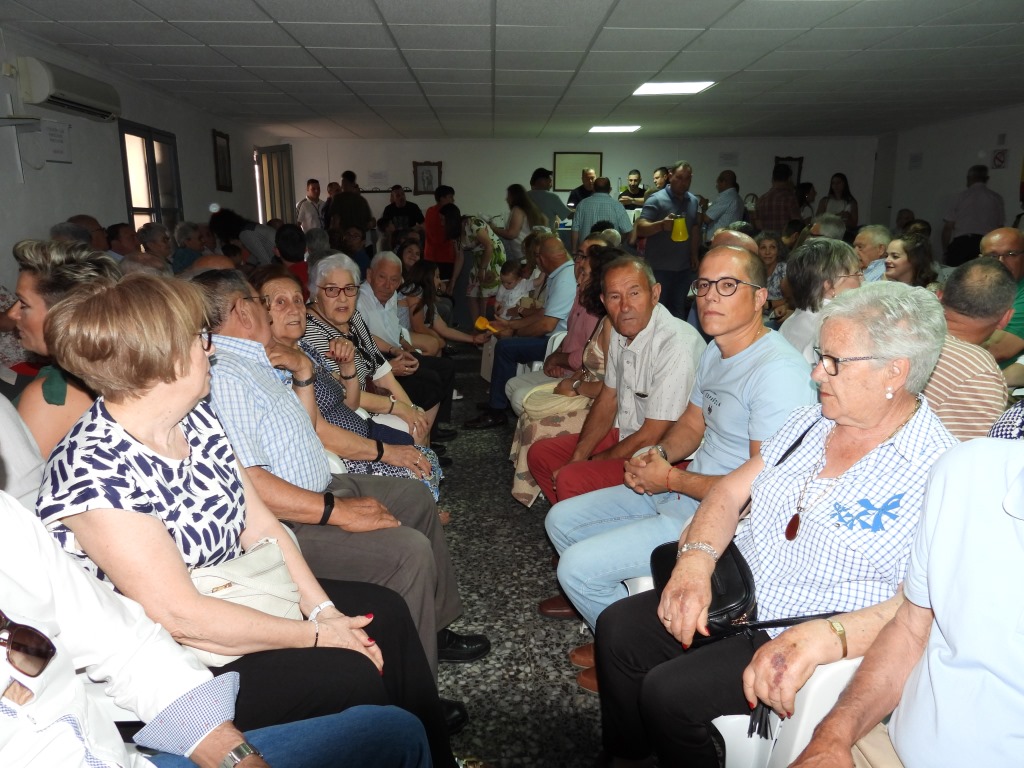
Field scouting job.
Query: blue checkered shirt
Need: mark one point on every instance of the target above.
(266, 424)
(600, 207)
(853, 544)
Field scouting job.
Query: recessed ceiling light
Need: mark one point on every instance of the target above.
(615, 129)
(667, 89)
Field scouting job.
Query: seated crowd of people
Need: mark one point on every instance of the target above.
(238, 385)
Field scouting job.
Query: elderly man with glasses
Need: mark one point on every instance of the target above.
(748, 381)
(1007, 245)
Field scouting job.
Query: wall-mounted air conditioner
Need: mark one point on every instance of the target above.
(48, 85)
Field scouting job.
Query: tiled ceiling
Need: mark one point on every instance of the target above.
(539, 68)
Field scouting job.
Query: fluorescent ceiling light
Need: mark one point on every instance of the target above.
(615, 129)
(666, 89)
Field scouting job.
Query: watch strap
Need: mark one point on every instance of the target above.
(238, 754)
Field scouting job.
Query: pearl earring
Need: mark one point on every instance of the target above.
(888, 393)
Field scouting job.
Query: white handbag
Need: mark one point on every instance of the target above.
(257, 579)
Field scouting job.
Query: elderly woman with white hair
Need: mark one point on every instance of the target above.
(817, 271)
(331, 321)
(835, 495)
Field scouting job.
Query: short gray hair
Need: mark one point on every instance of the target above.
(328, 264)
(318, 242)
(386, 257)
(879, 233)
(70, 232)
(184, 231)
(900, 321)
(151, 231)
(817, 261)
(221, 289)
(831, 226)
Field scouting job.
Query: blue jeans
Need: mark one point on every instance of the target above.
(367, 736)
(606, 536)
(507, 355)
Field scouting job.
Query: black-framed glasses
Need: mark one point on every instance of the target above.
(726, 286)
(205, 338)
(332, 291)
(1001, 256)
(830, 363)
(28, 649)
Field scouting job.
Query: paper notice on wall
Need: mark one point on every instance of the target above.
(377, 179)
(55, 142)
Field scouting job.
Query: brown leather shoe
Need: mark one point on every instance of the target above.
(583, 656)
(558, 607)
(587, 680)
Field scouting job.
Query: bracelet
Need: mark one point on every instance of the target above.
(328, 507)
(700, 546)
(316, 637)
(304, 382)
(348, 378)
(840, 631)
(380, 450)
(316, 611)
(668, 477)
(393, 401)
(576, 386)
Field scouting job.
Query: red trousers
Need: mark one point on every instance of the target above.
(547, 456)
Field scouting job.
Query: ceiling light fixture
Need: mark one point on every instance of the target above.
(615, 129)
(670, 89)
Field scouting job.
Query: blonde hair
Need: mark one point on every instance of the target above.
(122, 338)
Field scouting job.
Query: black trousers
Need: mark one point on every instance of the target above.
(655, 697)
(298, 683)
(432, 383)
(962, 249)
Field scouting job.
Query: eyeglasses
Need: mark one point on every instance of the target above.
(205, 338)
(332, 291)
(28, 649)
(858, 275)
(1001, 256)
(830, 364)
(261, 299)
(726, 286)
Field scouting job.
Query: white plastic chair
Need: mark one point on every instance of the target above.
(813, 702)
(538, 365)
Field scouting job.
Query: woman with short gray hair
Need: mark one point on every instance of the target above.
(817, 271)
(835, 500)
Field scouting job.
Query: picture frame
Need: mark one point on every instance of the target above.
(426, 177)
(796, 163)
(222, 160)
(568, 167)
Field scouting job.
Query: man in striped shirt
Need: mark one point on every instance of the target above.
(967, 390)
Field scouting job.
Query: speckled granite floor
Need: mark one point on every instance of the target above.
(524, 704)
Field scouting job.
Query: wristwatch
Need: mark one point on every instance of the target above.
(576, 386)
(840, 631)
(661, 452)
(238, 754)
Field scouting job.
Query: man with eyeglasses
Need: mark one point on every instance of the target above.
(1007, 245)
(748, 381)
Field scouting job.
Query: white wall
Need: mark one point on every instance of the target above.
(480, 170)
(93, 183)
(946, 151)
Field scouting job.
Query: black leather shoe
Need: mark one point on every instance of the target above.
(486, 420)
(453, 647)
(484, 406)
(455, 715)
(439, 434)
(439, 448)
(444, 462)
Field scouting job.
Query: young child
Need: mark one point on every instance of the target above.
(513, 288)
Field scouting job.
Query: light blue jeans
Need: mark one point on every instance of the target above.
(367, 736)
(606, 536)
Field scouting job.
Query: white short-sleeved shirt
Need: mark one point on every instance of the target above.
(962, 702)
(653, 375)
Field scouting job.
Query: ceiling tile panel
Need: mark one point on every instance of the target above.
(984, 12)
(616, 61)
(746, 41)
(898, 13)
(110, 54)
(547, 60)
(137, 32)
(293, 74)
(94, 10)
(658, 14)
(456, 37)
(533, 78)
(453, 75)
(543, 39)
(944, 37)
(368, 88)
(359, 57)
(340, 35)
(236, 32)
(529, 11)
(456, 89)
(198, 55)
(448, 12)
(690, 62)
(447, 59)
(374, 75)
(852, 39)
(14, 11)
(323, 11)
(55, 32)
(641, 41)
(782, 14)
(259, 55)
(203, 10)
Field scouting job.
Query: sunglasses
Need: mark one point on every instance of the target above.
(28, 649)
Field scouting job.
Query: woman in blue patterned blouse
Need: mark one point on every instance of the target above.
(146, 486)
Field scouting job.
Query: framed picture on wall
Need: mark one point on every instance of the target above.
(568, 167)
(222, 160)
(426, 177)
(795, 163)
